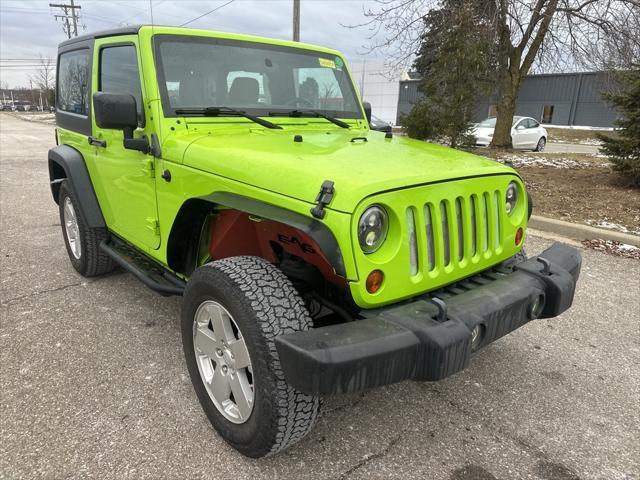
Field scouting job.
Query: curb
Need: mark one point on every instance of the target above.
(580, 232)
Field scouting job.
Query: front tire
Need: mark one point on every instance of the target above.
(232, 311)
(81, 240)
(541, 144)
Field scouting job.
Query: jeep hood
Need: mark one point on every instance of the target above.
(273, 161)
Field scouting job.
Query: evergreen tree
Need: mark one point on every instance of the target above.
(624, 151)
(455, 61)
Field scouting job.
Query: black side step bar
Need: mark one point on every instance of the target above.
(146, 270)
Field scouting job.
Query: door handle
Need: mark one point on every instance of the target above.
(96, 141)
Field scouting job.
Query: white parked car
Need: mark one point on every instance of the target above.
(526, 133)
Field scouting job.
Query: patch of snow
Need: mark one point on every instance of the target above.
(578, 141)
(614, 248)
(534, 160)
(578, 127)
(38, 117)
(608, 225)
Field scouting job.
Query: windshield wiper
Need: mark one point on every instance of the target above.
(226, 111)
(312, 113)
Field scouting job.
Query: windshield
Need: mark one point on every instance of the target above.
(261, 79)
(488, 123)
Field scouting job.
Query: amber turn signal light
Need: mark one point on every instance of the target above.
(519, 235)
(374, 281)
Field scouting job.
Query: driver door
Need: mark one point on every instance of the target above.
(519, 135)
(125, 179)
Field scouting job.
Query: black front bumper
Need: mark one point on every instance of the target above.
(419, 340)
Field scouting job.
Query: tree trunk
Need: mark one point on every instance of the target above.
(508, 95)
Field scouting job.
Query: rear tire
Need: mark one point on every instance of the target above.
(81, 240)
(256, 302)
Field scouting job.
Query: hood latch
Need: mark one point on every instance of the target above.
(323, 199)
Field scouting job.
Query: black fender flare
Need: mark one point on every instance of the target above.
(181, 258)
(68, 163)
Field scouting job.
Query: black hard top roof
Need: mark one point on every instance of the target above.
(128, 30)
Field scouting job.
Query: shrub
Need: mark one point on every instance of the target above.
(624, 151)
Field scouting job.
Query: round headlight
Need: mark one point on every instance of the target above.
(511, 197)
(372, 228)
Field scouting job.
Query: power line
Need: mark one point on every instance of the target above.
(35, 11)
(144, 10)
(207, 13)
(69, 14)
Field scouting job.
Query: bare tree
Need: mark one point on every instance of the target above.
(529, 34)
(44, 78)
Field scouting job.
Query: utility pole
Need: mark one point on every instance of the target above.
(296, 20)
(69, 10)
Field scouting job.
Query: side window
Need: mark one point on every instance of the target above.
(533, 124)
(119, 73)
(73, 82)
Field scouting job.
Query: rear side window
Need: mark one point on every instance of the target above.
(119, 73)
(74, 82)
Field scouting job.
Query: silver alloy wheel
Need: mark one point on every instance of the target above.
(223, 361)
(541, 144)
(71, 228)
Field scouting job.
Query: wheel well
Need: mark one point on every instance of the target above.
(205, 230)
(56, 172)
(184, 240)
(203, 227)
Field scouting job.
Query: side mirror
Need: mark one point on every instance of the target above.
(520, 127)
(115, 111)
(367, 110)
(119, 112)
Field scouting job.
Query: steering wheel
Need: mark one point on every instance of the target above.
(299, 100)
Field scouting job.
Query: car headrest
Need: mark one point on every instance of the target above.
(191, 90)
(243, 91)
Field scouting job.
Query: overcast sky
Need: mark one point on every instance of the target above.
(28, 28)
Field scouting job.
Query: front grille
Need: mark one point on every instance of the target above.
(453, 232)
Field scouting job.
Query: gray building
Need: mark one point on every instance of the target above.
(556, 99)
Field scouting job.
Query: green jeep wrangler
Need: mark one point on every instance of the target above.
(314, 255)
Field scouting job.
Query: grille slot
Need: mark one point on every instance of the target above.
(474, 227)
(446, 238)
(413, 242)
(485, 222)
(431, 248)
(460, 228)
(496, 198)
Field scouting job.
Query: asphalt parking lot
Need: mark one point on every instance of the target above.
(93, 383)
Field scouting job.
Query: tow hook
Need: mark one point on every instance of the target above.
(442, 309)
(546, 266)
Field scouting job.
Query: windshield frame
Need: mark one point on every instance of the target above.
(170, 112)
